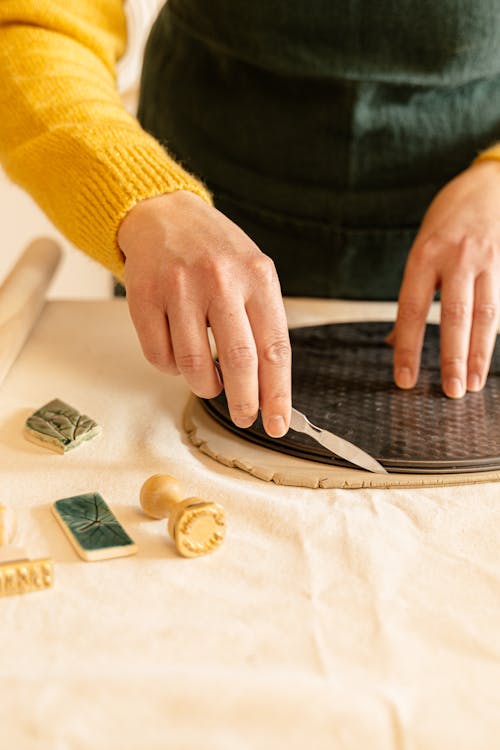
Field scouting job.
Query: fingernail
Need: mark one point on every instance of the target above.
(453, 388)
(276, 426)
(474, 382)
(244, 422)
(403, 377)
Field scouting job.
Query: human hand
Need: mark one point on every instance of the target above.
(457, 250)
(188, 267)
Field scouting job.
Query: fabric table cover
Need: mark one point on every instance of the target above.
(346, 619)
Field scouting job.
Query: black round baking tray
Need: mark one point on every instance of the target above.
(342, 380)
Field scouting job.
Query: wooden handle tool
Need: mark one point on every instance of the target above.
(195, 526)
(22, 296)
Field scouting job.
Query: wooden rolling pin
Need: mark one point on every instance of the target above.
(22, 296)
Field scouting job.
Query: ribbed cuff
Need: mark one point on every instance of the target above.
(87, 179)
(130, 174)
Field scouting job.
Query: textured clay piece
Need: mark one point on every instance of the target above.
(59, 427)
(92, 528)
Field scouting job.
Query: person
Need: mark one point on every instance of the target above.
(345, 149)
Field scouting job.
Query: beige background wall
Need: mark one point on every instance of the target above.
(21, 219)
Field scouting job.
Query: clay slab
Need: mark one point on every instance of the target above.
(92, 528)
(60, 427)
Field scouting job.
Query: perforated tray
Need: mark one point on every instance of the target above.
(342, 381)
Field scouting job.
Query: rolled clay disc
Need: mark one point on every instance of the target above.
(227, 448)
(342, 380)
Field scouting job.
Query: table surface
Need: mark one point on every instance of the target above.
(346, 619)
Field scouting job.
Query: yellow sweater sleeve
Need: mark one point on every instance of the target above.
(64, 134)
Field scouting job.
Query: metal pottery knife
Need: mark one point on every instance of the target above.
(342, 448)
(337, 445)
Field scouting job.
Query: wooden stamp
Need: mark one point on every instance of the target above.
(195, 525)
(19, 575)
(8, 525)
(59, 427)
(159, 494)
(92, 528)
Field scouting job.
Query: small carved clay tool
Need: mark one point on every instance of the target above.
(20, 575)
(195, 526)
(92, 528)
(59, 427)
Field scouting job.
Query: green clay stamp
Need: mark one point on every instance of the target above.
(59, 427)
(92, 528)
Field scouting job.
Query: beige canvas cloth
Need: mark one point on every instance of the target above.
(328, 619)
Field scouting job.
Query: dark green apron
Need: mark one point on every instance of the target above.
(325, 127)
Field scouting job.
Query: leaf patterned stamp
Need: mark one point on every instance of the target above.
(92, 528)
(59, 427)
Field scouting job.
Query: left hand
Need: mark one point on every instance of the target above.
(457, 250)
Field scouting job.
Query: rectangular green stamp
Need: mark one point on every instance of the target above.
(92, 528)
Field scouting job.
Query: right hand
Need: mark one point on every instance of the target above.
(187, 266)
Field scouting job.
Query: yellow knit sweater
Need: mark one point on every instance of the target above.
(64, 133)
